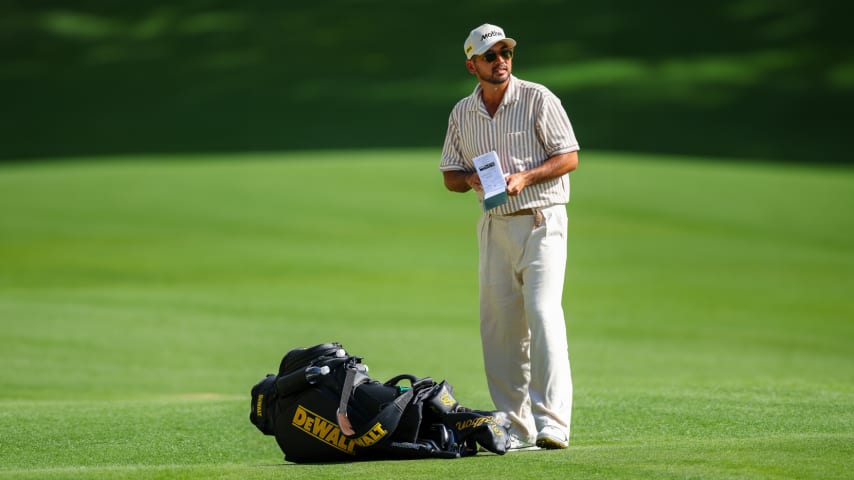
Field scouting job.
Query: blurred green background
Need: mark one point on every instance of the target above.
(741, 78)
(149, 280)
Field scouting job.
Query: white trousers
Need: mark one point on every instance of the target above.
(522, 327)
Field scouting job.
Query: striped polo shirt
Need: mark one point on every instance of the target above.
(529, 127)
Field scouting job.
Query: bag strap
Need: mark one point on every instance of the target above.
(355, 377)
(403, 376)
(387, 419)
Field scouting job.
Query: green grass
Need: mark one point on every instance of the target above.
(709, 311)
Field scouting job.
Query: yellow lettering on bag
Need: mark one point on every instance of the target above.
(299, 417)
(328, 432)
(332, 437)
(321, 428)
(258, 411)
(474, 422)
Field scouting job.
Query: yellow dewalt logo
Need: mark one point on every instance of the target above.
(329, 433)
(259, 412)
(447, 400)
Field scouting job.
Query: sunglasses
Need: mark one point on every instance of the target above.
(490, 55)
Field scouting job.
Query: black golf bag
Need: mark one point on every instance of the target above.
(323, 407)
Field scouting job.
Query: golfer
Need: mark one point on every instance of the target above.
(522, 243)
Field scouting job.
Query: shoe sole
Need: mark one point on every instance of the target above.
(523, 449)
(551, 443)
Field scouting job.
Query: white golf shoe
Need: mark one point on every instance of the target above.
(551, 437)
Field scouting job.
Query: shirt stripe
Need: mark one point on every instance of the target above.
(529, 127)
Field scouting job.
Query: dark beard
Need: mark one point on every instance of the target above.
(495, 81)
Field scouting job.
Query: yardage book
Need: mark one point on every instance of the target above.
(492, 178)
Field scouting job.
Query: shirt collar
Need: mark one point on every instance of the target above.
(510, 95)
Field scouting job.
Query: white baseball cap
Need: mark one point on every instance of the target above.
(483, 37)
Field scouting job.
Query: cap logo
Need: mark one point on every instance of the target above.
(490, 35)
(469, 49)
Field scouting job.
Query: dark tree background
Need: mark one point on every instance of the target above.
(739, 78)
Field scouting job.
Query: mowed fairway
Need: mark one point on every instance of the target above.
(710, 311)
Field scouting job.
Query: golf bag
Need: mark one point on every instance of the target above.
(323, 407)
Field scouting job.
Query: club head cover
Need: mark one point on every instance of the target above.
(441, 399)
(488, 429)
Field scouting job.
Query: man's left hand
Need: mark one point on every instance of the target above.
(515, 183)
